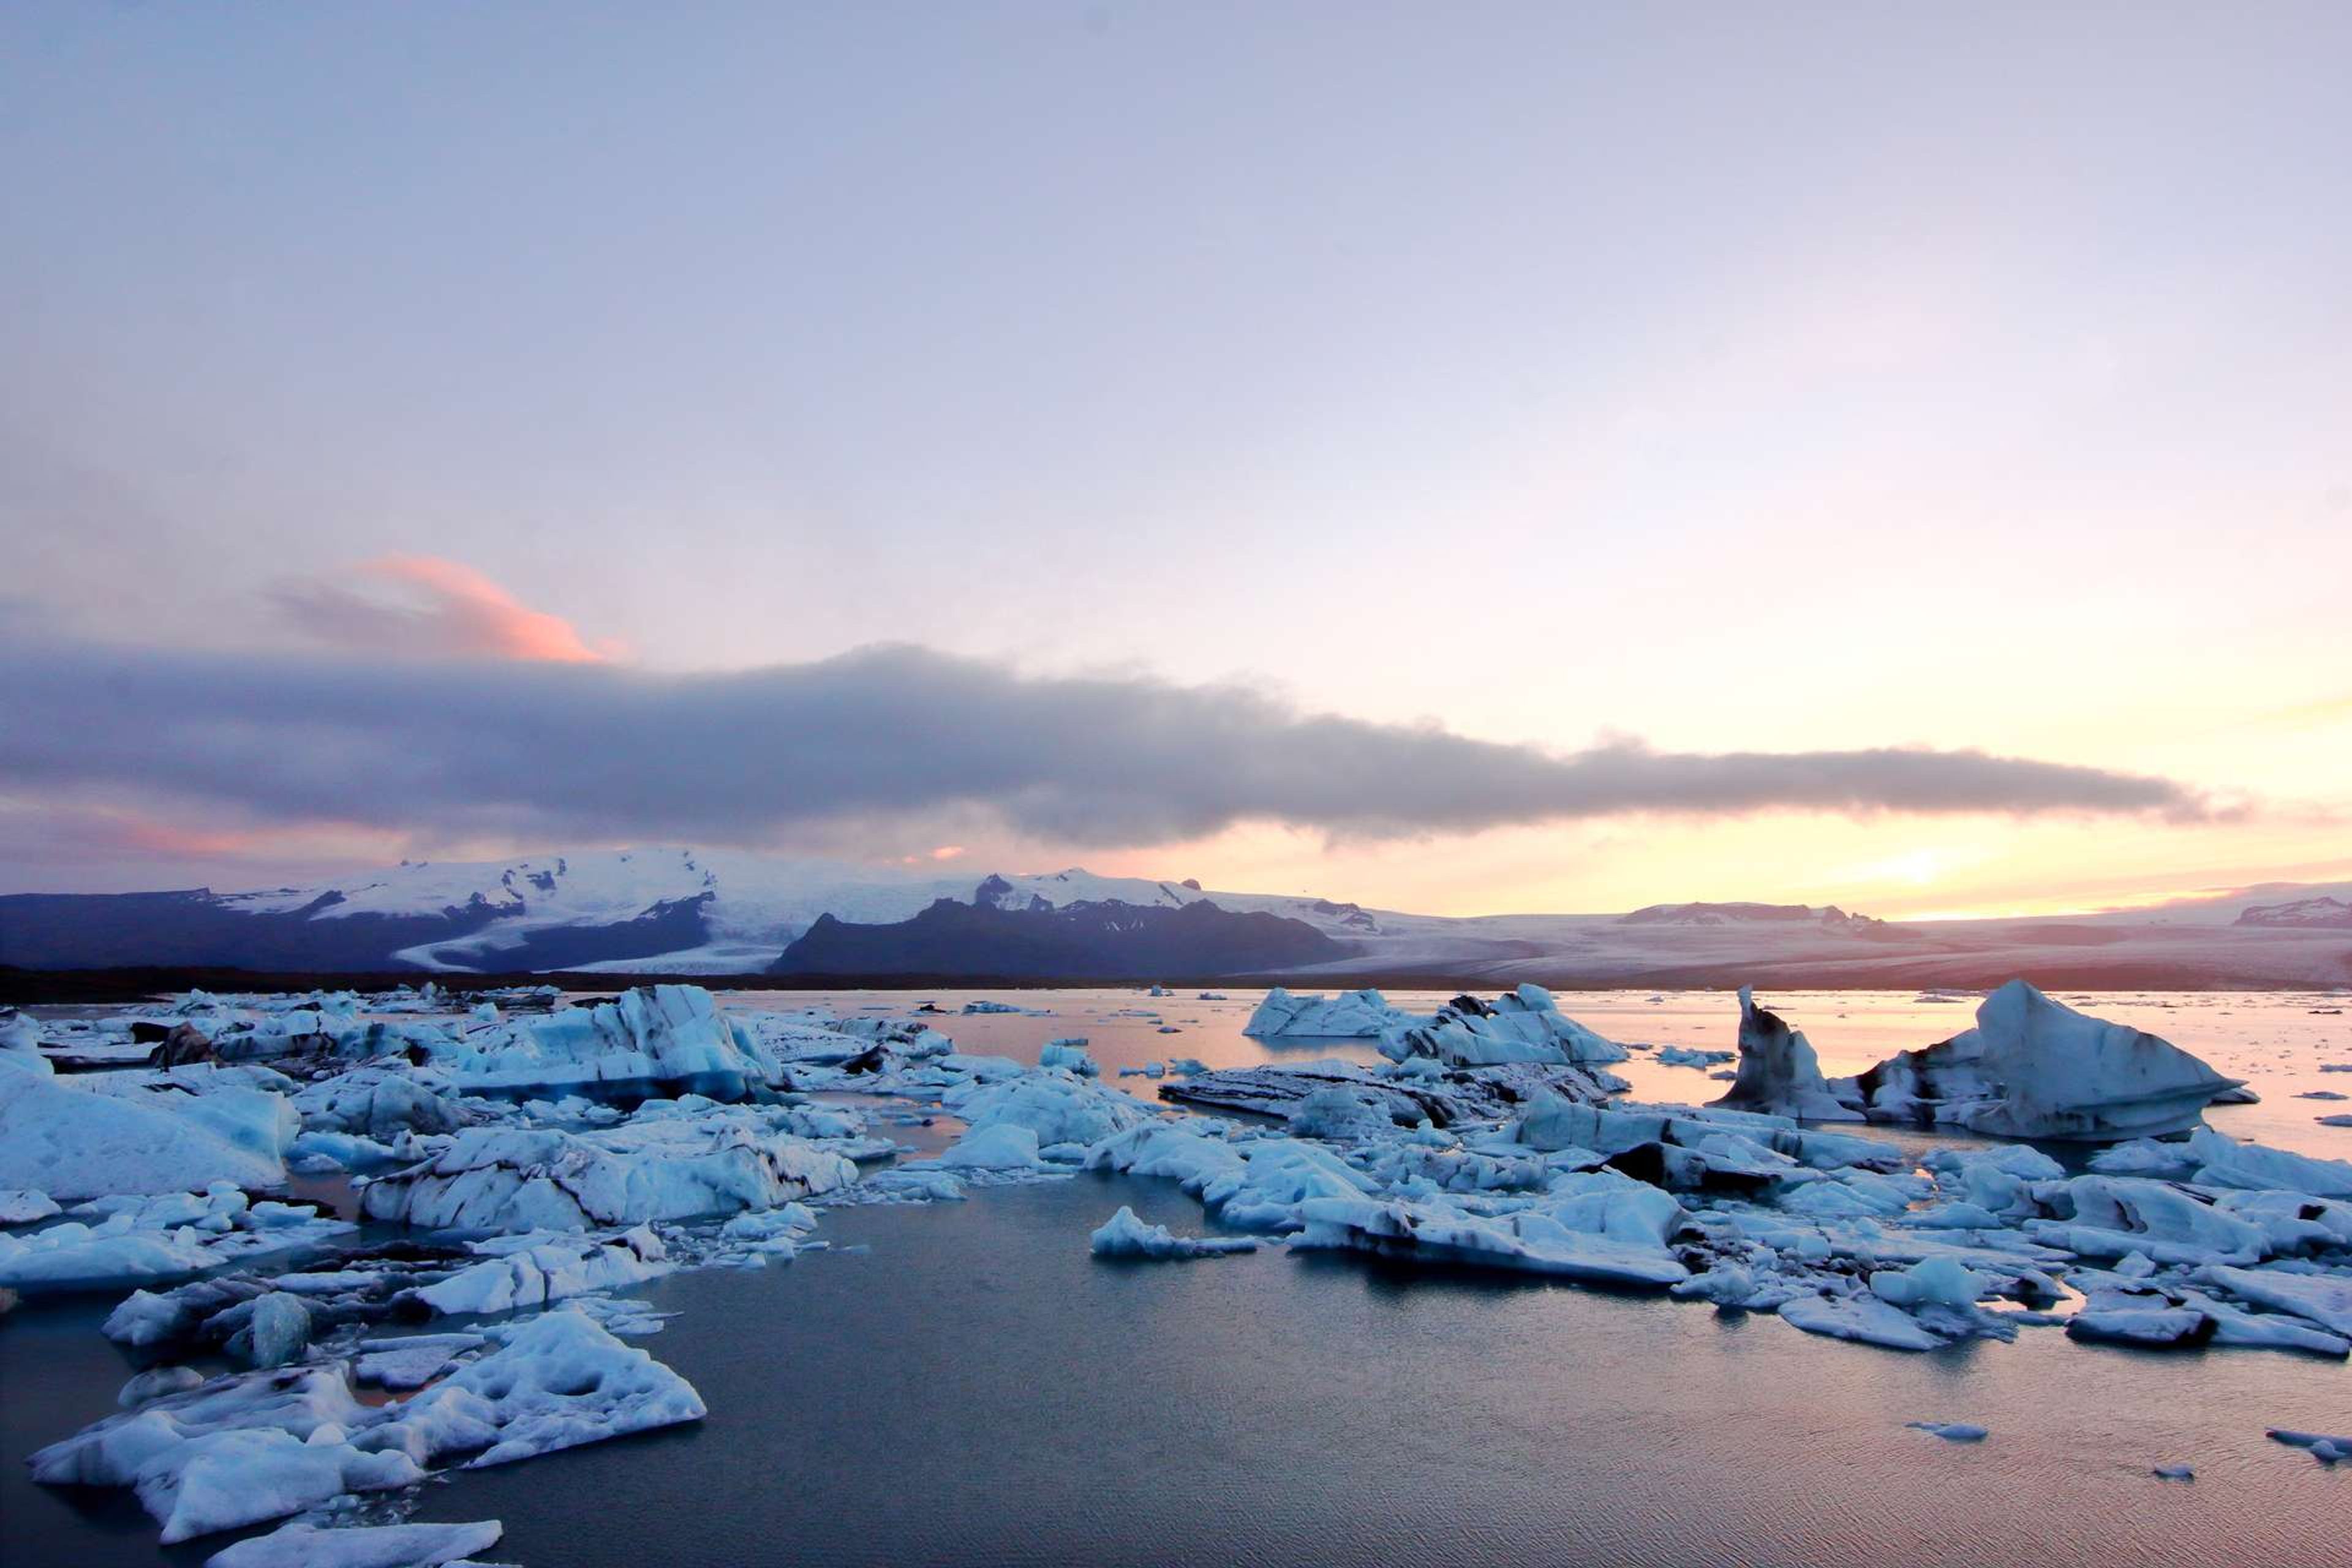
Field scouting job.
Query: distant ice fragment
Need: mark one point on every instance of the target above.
(1950, 1431)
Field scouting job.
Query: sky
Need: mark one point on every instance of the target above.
(1465, 460)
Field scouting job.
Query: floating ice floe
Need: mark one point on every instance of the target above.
(1413, 1091)
(1054, 1105)
(1604, 1234)
(536, 1268)
(238, 1450)
(1351, 1014)
(299, 1545)
(1951, 1431)
(245, 1448)
(22, 1206)
(648, 1168)
(116, 1243)
(1521, 1026)
(1125, 1236)
(2328, 1450)
(556, 1381)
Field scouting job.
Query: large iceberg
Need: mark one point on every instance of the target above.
(2032, 1068)
(72, 1142)
(653, 1034)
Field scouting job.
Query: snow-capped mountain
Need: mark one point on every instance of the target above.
(2323, 913)
(689, 913)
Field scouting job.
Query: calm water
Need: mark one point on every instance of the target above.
(973, 1387)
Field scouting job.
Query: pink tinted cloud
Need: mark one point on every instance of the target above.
(435, 608)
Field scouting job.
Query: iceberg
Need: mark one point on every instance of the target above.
(2034, 1068)
(1125, 1236)
(2322, 1299)
(1351, 1014)
(1531, 1241)
(672, 1034)
(1055, 1106)
(1778, 1072)
(72, 1143)
(557, 1382)
(1004, 1146)
(1521, 1026)
(661, 1168)
(238, 1450)
(536, 1268)
(1864, 1319)
(2220, 1162)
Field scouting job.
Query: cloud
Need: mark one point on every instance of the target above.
(549, 751)
(437, 609)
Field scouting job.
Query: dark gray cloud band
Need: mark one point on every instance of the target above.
(614, 753)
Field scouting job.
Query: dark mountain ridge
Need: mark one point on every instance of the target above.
(1095, 940)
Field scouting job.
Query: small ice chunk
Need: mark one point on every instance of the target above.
(2321, 1446)
(1950, 1431)
(22, 1206)
(280, 1328)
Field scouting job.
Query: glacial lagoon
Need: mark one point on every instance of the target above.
(962, 1381)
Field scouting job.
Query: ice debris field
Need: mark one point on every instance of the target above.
(514, 1163)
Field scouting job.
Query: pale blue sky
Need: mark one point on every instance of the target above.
(1730, 376)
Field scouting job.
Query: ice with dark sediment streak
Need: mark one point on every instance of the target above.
(235, 1451)
(651, 1167)
(1522, 1025)
(1778, 1072)
(2032, 1068)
